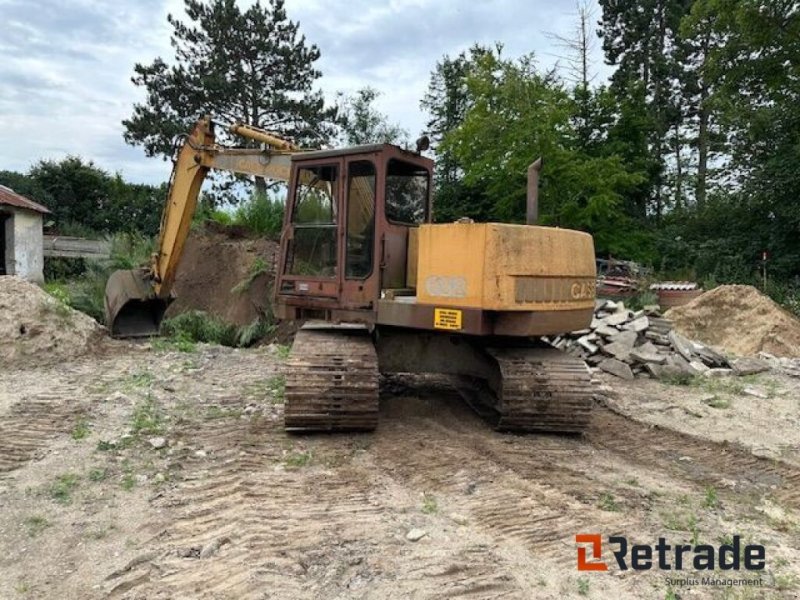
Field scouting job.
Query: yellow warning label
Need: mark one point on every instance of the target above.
(446, 318)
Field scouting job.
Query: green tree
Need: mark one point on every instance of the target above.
(755, 64)
(642, 40)
(82, 196)
(251, 66)
(447, 101)
(362, 123)
(517, 114)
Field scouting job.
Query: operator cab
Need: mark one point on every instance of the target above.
(346, 229)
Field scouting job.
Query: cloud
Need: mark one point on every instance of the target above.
(65, 75)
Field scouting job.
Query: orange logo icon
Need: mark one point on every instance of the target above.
(597, 563)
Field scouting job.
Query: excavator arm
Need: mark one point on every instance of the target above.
(136, 300)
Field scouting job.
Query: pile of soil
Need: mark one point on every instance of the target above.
(739, 320)
(36, 327)
(215, 275)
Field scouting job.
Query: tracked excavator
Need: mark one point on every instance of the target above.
(382, 289)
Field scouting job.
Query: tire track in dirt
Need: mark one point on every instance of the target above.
(455, 456)
(702, 461)
(32, 420)
(300, 533)
(269, 519)
(29, 425)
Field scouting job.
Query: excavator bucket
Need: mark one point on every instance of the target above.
(132, 308)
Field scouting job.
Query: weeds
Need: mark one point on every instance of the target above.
(252, 333)
(282, 351)
(217, 412)
(105, 446)
(86, 292)
(197, 326)
(717, 402)
(81, 430)
(297, 460)
(429, 504)
(260, 214)
(36, 524)
(258, 268)
(147, 418)
(128, 478)
(711, 500)
(276, 386)
(179, 343)
(607, 502)
(61, 490)
(97, 475)
(140, 379)
(583, 586)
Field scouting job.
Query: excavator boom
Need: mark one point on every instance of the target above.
(136, 300)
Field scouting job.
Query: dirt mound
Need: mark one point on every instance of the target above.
(740, 320)
(229, 278)
(34, 326)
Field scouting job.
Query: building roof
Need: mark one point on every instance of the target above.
(10, 198)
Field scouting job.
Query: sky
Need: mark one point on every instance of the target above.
(66, 64)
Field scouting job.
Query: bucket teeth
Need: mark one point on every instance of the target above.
(332, 381)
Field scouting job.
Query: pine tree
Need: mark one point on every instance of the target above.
(251, 65)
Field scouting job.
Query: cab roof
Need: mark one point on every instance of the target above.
(362, 149)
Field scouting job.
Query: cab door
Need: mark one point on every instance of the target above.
(361, 281)
(310, 246)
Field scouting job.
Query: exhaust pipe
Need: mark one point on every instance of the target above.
(532, 206)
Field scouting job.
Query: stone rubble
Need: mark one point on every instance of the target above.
(642, 343)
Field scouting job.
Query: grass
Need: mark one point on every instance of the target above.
(607, 502)
(199, 327)
(217, 412)
(61, 490)
(147, 418)
(276, 386)
(429, 504)
(128, 477)
(711, 499)
(98, 475)
(81, 430)
(138, 380)
(179, 343)
(583, 586)
(260, 214)
(786, 582)
(86, 291)
(297, 460)
(717, 402)
(677, 521)
(36, 525)
(258, 268)
(105, 446)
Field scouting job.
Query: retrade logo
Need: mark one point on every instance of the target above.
(667, 557)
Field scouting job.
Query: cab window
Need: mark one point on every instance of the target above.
(312, 250)
(406, 192)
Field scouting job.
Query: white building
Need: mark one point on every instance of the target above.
(21, 242)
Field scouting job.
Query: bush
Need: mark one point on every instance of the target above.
(261, 214)
(85, 287)
(198, 326)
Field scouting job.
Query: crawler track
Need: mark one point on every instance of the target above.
(332, 381)
(536, 390)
